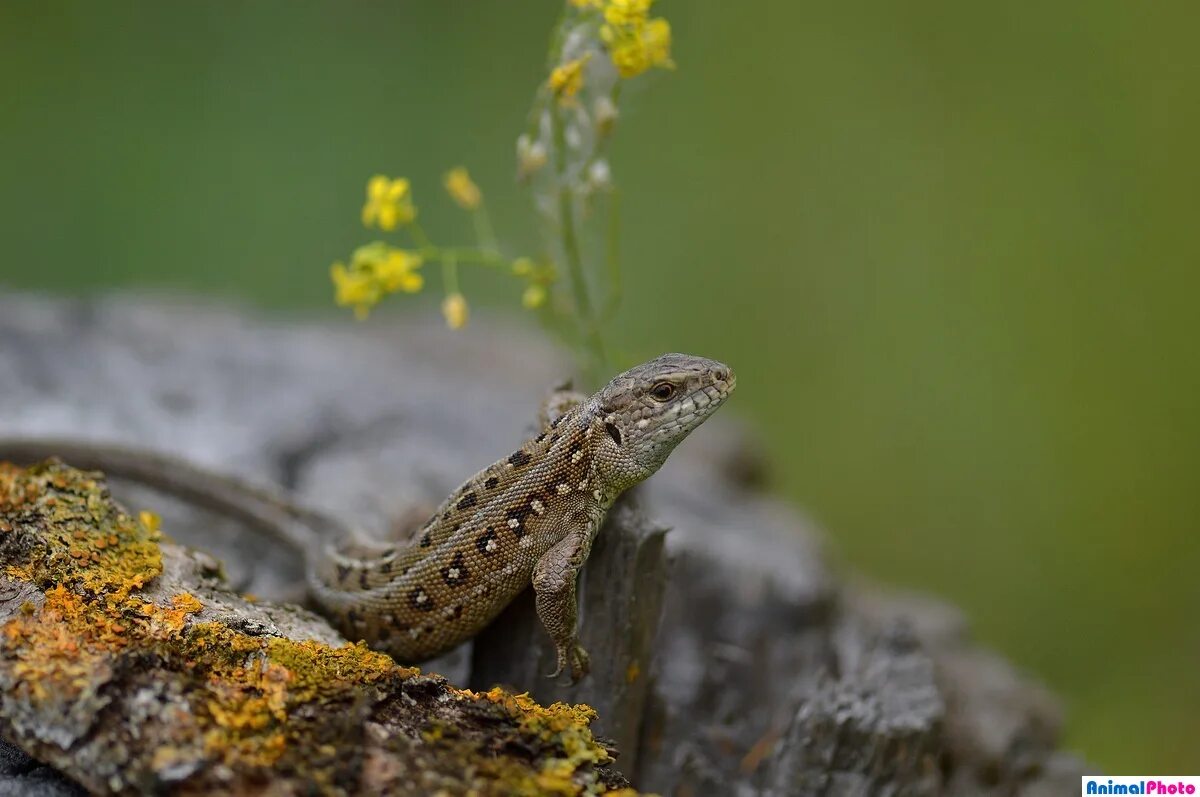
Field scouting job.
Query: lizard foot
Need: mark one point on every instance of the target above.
(575, 657)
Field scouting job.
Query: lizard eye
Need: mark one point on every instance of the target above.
(663, 391)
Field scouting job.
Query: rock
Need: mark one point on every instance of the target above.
(130, 667)
(729, 656)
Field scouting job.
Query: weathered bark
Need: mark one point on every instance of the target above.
(749, 668)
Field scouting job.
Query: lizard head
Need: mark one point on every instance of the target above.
(642, 414)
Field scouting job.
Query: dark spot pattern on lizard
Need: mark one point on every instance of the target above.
(489, 485)
(456, 572)
(519, 457)
(343, 572)
(364, 575)
(516, 520)
(467, 501)
(488, 543)
(419, 599)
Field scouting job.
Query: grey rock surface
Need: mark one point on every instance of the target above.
(729, 657)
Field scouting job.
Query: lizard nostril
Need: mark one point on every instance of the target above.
(720, 374)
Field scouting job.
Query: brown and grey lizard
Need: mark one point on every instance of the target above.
(528, 519)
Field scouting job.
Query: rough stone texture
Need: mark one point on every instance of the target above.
(757, 670)
(129, 665)
(618, 624)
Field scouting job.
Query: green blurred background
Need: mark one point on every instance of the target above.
(949, 248)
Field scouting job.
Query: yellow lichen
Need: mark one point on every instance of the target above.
(559, 725)
(251, 703)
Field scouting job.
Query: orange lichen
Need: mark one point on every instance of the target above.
(251, 703)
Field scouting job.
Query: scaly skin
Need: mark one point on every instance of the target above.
(529, 519)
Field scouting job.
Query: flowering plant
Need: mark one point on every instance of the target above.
(596, 46)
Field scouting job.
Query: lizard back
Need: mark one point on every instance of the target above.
(473, 556)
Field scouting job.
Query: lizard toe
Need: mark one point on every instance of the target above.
(561, 657)
(581, 664)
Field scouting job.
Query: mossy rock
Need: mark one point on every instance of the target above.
(128, 665)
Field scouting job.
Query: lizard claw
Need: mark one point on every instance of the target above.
(574, 657)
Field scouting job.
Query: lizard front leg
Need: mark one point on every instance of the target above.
(554, 579)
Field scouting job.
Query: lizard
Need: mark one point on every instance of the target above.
(527, 520)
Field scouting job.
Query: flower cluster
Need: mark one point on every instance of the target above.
(375, 270)
(636, 43)
(378, 269)
(562, 158)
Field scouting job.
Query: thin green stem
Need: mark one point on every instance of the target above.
(419, 236)
(466, 255)
(450, 274)
(483, 230)
(485, 255)
(570, 245)
(612, 256)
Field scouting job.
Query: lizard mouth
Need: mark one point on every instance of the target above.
(724, 380)
(705, 400)
(730, 383)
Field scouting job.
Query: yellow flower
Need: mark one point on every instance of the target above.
(523, 266)
(567, 79)
(454, 308)
(626, 12)
(397, 271)
(389, 203)
(635, 51)
(354, 288)
(462, 189)
(534, 296)
(391, 269)
(656, 38)
(587, 3)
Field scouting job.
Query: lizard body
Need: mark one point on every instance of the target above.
(528, 519)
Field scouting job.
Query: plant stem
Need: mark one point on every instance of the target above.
(612, 253)
(483, 230)
(570, 245)
(465, 254)
(450, 274)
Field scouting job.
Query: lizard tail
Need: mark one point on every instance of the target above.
(268, 509)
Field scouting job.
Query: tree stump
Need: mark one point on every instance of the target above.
(729, 657)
